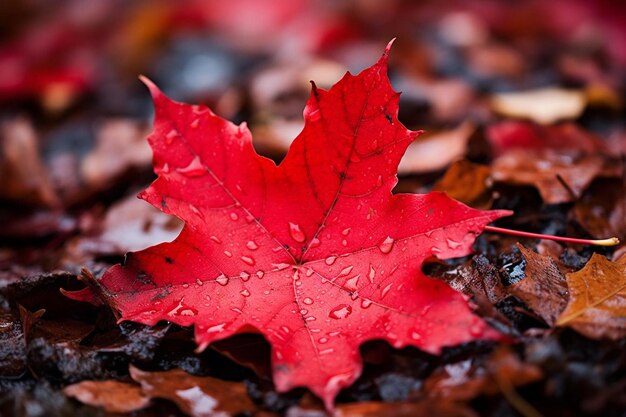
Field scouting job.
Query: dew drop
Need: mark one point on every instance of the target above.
(248, 260)
(195, 123)
(386, 245)
(351, 283)
(309, 272)
(340, 312)
(285, 329)
(476, 328)
(308, 301)
(216, 329)
(199, 282)
(165, 168)
(415, 335)
(188, 312)
(245, 293)
(304, 311)
(345, 271)
(314, 116)
(385, 291)
(315, 242)
(266, 292)
(215, 239)
(326, 351)
(234, 216)
(365, 303)
(330, 260)
(346, 231)
(222, 279)
(244, 276)
(453, 244)
(237, 310)
(372, 274)
(260, 274)
(310, 318)
(296, 233)
(196, 211)
(323, 340)
(435, 249)
(193, 169)
(252, 245)
(344, 242)
(171, 135)
(228, 253)
(280, 267)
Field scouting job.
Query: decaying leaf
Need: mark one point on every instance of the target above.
(23, 175)
(560, 178)
(465, 380)
(422, 408)
(195, 395)
(543, 288)
(112, 396)
(597, 304)
(602, 209)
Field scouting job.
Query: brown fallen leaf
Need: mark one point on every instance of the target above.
(120, 145)
(433, 151)
(23, 176)
(468, 183)
(543, 288)
(128, 225)
(602, 209)
(465, 380)
(423, 408)
(480, 278)
(545, 105)
(195, 395)
(559, 177)
(597, 304)
(112, 396)
(28, 320)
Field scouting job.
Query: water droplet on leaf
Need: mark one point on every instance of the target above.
(296, 233)
(340, 312)
(387, 244)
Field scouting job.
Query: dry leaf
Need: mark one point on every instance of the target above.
(543, 169)
(465, 380)
(195, 395)
(112, 396)
(543, 288)
(597, 304)
(545, 106)
(120, 146)
(23, 176)
(468, 183)
(423, 408)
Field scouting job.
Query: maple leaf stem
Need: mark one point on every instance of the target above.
(598, 242)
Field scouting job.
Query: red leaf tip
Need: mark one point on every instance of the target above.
(154, 90)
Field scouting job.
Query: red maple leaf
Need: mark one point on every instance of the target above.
(315, 253)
